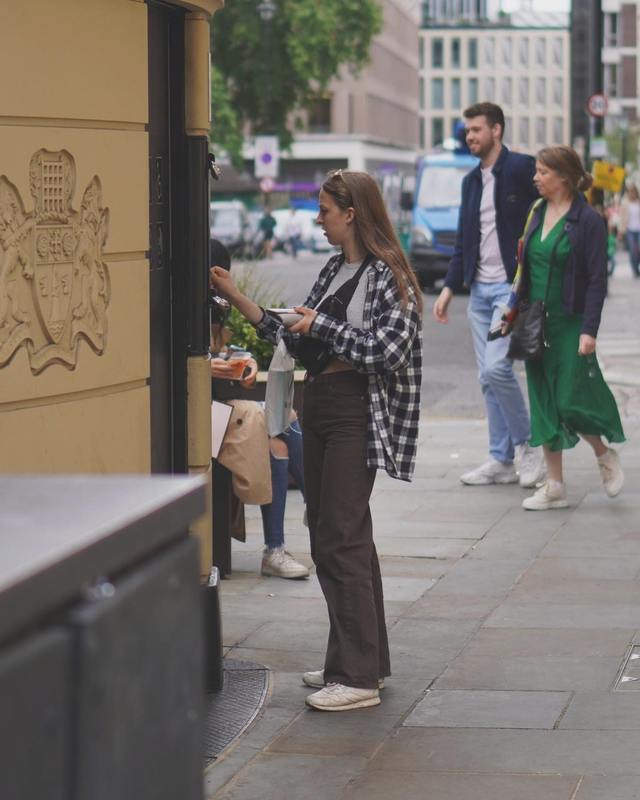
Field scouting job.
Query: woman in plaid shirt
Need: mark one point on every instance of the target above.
(360, 414)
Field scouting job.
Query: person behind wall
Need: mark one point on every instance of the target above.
(496, 196)
(568, 396)
(285, 451)
(266, 228)
(360, 414)
(629, 225)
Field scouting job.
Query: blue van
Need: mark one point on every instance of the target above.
(436, 204)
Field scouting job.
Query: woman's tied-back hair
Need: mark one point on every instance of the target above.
(566, 162)
(373, 230)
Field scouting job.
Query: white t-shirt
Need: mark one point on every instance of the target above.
(355, 309)
(634, 216)
(490, 266)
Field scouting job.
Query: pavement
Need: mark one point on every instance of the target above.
(515, 636)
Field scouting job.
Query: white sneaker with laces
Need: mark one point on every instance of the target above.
(279, 563)
(336, 697)
(551, 495)
(315, 679)
(491, 471)
(611, 472)
(530, 464)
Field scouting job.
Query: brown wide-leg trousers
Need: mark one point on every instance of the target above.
(338, 485)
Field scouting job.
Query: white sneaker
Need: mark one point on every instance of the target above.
(530, 464)
(336, 697)
(551, 495)
(611, 472)
(491, 471)
(279, 563)
(316, 679)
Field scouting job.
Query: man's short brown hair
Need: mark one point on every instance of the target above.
(492, 112)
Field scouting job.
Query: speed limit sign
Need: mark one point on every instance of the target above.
(597, 105)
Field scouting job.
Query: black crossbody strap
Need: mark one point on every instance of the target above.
(346, 291)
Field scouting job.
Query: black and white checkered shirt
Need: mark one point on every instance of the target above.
(388, 349)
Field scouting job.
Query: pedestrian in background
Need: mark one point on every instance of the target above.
(629, 225)
(266, 228)
(496, 196)
(294, 232)
(360, 414)
(568, 396)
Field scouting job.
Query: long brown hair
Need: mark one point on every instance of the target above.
(373, 230)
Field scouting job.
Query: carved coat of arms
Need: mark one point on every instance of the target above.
(54, 283)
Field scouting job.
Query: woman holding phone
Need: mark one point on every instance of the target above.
(360, 414)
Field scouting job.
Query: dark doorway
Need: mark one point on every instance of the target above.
(166, 146)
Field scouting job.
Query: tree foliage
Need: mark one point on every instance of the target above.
(309, 42)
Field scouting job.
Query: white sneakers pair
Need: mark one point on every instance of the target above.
(279, 563)
(554, 495)
(528, 467)
(336, 696)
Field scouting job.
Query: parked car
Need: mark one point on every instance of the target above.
(311, 237)
(229, 223)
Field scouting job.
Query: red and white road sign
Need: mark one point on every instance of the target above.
(267, 185)
(597, 105)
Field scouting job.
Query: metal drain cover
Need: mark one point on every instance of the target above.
(629, 677)
(228, 713)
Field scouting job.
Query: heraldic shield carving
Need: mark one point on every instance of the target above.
(54, 284)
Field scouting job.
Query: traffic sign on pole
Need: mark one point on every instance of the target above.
(267, 185)
(597, 105)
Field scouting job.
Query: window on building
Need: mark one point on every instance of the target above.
(558, 130)
(472, 91)
(456, 100)
(611, 80)
(455, 54)
(437, 131)
(523, 132)
(437, 93)
(508, 128)
(541, 52)
(421, 93)
(423, 144)
(437, 53)
(523, 51)
(541, 92)
(506, 52)
(523, 92)
(472, 53)
(319, 119)
(557, 51)
(541, 131)
(610, 24)
(507, 92)
(489, 51)
(421, 52)
(489, 90)
(556, 93)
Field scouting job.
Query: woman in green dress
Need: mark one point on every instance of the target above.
(568, 396)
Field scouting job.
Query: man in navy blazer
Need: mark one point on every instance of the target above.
(496, 197)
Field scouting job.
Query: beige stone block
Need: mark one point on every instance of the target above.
(119, 158)
(126, 354)
(74, 59)
(108, 434)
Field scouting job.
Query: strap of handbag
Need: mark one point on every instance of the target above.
(348, 288)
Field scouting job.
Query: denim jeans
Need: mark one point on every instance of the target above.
(281, 468)
(507, 413)
(633, 243)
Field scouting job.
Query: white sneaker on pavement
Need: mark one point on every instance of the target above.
(551, 495)
(336, 697)
(315, 679)
(530, 464)
(491, 471)
(611, 472)
(279, 563)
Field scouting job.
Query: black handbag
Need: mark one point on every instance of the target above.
(314, 354)
(528, 337)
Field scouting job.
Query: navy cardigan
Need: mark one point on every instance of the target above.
(584, 286)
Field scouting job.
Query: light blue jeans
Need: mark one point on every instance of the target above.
(507, 413)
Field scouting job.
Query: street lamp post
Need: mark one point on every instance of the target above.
(267, 10)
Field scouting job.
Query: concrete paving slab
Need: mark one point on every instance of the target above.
(376, 785)
(431, 530)
(423, 648)
(483, 577)
(610, 711)
(418, 567)
(511, 751)
(277, 776)
(560, 569)
(609, 788)
(297, 661)
(452, 607)
(537, 591)
(311, 637)
(422, 548)
(224, 769)
(478, 709)
(564, 615)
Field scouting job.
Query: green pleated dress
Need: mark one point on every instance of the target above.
(567, 393)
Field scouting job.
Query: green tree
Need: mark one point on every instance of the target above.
(309, 42)
(226, 121)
